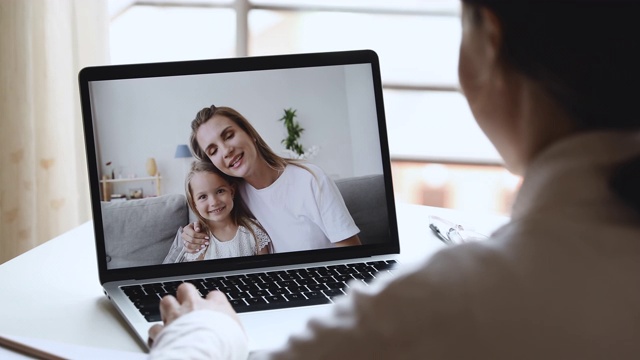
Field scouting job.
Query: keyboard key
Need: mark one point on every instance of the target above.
(204, 292)
(280, 291)
(238, 303)
(252, 280)
(343, 278)
(287, 277)
(336, 285)
(306, 282)
(314, 295)
(298, 289)
(171, 288)
(234, 282)
(333, 292)
(346, 271)
(152, 288)
(363, 276)
(212, 282)
(327, 272)
(153, 317)
(286, 283)
(268, 286)
(306, 275)
(293, 297)
(368, 269)
(251, 287)
(310, 275)
(135, 290)
(238, 294)
(269, 278)
(375, 263)
(385, 266)
(284, 304)
(259, 293)
(275, 298)
(317, 287)
(255, 301)
(146, 300)
(227, 289)
(163, 293)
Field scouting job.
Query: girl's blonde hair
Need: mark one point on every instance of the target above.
(240, 214)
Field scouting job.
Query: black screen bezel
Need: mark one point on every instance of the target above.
(178, 68)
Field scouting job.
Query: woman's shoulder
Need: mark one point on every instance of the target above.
(305, 169)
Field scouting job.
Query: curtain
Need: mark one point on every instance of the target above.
(43, 180)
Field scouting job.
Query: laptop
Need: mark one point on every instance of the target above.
(137, 125)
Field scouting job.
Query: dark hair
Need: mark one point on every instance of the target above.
(585, 54)
(240, 213)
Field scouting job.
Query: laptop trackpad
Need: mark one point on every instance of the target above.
(270, 329)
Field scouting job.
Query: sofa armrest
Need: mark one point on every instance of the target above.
(140, 232)
(366, 201)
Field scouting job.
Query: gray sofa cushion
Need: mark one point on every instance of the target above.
(365, 199)
(140, 232)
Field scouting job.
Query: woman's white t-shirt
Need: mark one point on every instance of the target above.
(301, 210)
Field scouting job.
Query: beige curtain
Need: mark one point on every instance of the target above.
(43, 182)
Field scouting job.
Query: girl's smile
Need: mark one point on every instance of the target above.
(213, 196)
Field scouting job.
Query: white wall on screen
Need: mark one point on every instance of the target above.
(362, 113)
(141, 118)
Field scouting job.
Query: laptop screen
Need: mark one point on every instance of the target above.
(323, 110)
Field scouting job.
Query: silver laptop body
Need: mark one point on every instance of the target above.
(137, 121)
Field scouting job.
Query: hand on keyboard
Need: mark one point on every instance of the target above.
(188, 299)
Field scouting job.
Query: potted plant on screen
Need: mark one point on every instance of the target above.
(292, 141)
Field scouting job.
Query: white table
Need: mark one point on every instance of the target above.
(52, 292)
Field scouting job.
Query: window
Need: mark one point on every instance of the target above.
(432, 134)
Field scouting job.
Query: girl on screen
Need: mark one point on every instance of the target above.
(298, 204)
(225, 219)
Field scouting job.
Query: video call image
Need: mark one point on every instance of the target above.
(280, 161)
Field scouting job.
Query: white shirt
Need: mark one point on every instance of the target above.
(301, 210)
(242, 244)
(560, 281)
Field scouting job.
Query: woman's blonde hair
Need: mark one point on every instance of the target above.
(240, 213)
(204, 115)
(275, 161)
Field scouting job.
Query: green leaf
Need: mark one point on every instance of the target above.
(294, 131)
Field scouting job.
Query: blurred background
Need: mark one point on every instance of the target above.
(439, 155)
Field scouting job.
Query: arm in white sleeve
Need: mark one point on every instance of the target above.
(201, 334)
(407, 316)
(372, 323)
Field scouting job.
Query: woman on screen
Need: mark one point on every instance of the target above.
(552, 84)
(298, 204)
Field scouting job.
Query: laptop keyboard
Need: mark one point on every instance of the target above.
(265, 290)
